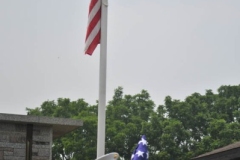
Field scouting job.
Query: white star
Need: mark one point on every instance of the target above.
(143, 141)
(139, 153)
(132, 156)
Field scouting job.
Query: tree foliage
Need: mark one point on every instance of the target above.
(176, 130)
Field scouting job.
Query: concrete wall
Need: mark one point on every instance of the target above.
(42, 142)
(13, 142)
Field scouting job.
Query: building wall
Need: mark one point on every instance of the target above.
(13, 142)
(42, 142)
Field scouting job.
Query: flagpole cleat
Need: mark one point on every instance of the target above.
(110, 156)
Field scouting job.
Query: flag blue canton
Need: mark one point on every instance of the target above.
(141, 151)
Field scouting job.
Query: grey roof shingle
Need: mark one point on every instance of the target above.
(223, 149)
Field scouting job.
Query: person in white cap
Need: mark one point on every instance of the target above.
(110, 156)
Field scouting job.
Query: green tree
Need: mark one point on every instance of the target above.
(126, 116)
(176, 130)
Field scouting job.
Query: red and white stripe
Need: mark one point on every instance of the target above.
(93, 29)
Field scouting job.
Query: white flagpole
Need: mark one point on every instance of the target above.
(102, 81)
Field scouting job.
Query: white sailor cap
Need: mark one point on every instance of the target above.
(110, 156)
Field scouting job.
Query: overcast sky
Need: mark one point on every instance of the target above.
(166, 47)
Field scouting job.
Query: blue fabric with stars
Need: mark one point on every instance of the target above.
(141, 151)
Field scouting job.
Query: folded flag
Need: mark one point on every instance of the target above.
(141, 151)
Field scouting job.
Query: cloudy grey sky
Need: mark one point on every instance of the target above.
(166, 47)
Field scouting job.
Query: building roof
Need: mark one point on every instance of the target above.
(233, 146)
(60, 126)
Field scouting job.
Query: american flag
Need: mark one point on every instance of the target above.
(93, 29)
(141, 151)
